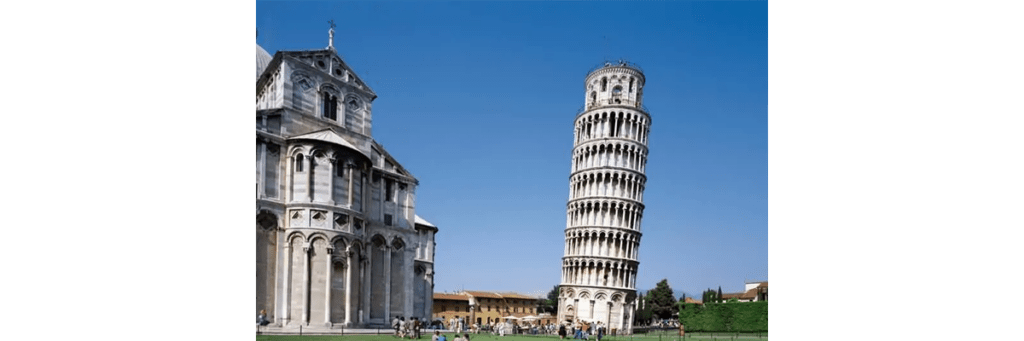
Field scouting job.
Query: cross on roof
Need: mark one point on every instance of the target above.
(331, 22)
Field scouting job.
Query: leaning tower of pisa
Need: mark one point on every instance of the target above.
(606, 187)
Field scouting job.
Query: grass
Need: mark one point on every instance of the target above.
(488, 337)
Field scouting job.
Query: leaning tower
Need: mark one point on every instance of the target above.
(606, 187)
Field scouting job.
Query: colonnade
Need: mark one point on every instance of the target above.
(607, 183)
(622, 214)
(602, 244)
(610, 154)
(606, 274)
(601, 124)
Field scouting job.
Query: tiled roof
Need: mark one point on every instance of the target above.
(518, 296)
(452, 297)
(483, 294)
(691, 300)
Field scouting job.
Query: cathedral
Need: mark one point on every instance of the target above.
(338, 241)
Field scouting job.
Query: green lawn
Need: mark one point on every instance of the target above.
(488, 337)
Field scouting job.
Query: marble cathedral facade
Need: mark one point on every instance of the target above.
(338, 241)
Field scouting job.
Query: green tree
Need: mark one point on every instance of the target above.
(709, 296)
(643, 313)
(719, 294)
(662, 301)
(550, 305)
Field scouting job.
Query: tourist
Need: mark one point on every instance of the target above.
(458, 337)
(442, 338)
(437, 335)
(402, 326)
(465, 337)
(416, 326)
(561, 331)
(395, 324)
(600, 331)
(262, 318)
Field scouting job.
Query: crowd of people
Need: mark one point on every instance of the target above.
(579, 330)
(407, 329)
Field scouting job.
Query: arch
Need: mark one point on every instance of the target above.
(397, 243)
(297, 149)
(340, 239)
(378, 240)
(330, 88)
(295, 235)
(268, 220)
(316, 236)
(584, 294)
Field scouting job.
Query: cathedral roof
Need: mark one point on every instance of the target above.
(262, 59)
(329, 136)
(422, 221)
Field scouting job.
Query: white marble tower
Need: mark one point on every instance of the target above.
(605, 207)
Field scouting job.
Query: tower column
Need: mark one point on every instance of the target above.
(349, 293)
(327, 284)
(305, 283)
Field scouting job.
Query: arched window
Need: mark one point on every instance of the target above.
(593, 97)
(330, 107)
(604, 84)
(298, 162)
(630, 84)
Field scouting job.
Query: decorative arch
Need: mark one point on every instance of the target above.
(295, 234)
(318, 236)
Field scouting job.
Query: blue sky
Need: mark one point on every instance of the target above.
(477, 100)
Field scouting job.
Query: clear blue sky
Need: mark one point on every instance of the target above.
(477, 100)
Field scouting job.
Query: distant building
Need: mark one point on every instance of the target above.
(754, 291)
(485, 307)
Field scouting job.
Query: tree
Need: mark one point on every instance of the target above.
(709, 296)
(550, 304)
(719, 294)
(662, 301)
(643, 313)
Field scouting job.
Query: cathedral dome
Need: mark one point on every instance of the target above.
(262, 59)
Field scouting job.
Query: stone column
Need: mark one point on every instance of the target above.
(349, 293)
(350, 182)
(305, 283)
(310, 181)
(285, 309)
(330, 180)
(327, 285)
(387, 283)
(288, 186)
(365, 289)
(407, 287)
(262, 169)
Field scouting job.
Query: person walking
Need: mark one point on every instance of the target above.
(561, 331)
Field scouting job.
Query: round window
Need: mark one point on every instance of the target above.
(320, 63)
(337, 72)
